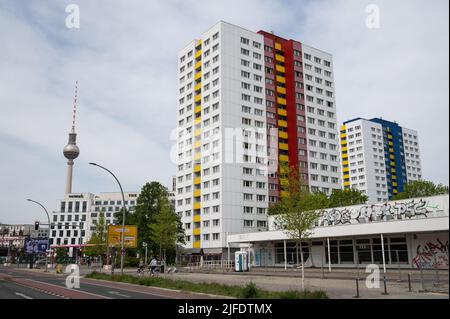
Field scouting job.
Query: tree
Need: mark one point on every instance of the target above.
(61, 252)
(346, 197)
(421, 189)
(98, 238)
(298, 210)
(153, 199)
(166, 230)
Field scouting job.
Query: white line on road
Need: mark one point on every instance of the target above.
(79, 290)
(118, 294)
(23, 295)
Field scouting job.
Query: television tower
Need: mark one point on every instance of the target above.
(71, 150)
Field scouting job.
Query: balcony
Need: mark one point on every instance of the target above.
(198, 75)
(198, 109)
(197, 205)
(281, 101)
(198, 98)
(197, 156)
(343, 135)
(197, 181)
(344, 149)
(197, 193)
(198, 120)
(282, 123)
(284, 158)
(198, 54)
(280, 68)
(282, 134)
(197, 168)
(278, 46)
(197, 219)
(198, 132)
(196, 244)
(197, 87)
(198, 65)
(196, 231)
(281, 90)
(344, 163)
(282, 112)
(197, 144)
(283, 146)
(281, 79)
(279, 58)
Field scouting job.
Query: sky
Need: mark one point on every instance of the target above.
(124, 56)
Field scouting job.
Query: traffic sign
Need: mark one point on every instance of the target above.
(115, 238)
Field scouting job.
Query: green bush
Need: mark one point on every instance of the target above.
(249, 291)
(131, 262)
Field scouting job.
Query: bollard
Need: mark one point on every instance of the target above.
(357, 289)
(385, 286)
(421, 277)
(409, 282)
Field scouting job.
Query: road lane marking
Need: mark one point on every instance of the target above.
(101, 284)
(80, 291)
(118, 294)
(23, 295)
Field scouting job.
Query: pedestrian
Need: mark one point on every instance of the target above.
(153, 264)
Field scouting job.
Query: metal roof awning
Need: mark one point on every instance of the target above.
(189, 251)
(392, 227)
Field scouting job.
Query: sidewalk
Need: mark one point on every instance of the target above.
(335, 288)
(336, 273)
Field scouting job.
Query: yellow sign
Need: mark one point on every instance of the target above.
(115, 238)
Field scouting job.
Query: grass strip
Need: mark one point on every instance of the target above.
(250, 291)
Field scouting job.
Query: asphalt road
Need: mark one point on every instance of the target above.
(26, 285)
(10, 290)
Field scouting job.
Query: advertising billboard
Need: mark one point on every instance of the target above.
(35, 245)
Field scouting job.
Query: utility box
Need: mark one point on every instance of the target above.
(241, 261)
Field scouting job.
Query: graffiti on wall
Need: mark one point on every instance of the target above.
(377, 212)
(432, 255)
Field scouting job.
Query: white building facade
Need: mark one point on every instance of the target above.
(74, 221)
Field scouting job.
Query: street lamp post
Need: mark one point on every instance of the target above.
(145, 260)
(49, 228)
(122, 253)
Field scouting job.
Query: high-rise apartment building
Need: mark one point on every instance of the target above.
(248, 102)
(379, 157)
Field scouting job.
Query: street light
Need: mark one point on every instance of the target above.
(145, 260)
(123, 216)
(48, 236)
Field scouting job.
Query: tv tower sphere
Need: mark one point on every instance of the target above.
(71, 150)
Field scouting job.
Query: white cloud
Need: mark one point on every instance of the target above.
(124, 57)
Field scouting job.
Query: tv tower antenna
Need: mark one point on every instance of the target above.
(71, 150)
